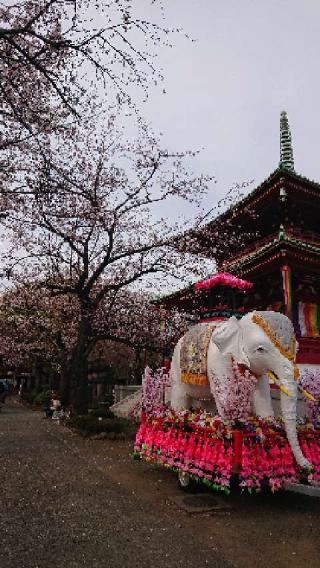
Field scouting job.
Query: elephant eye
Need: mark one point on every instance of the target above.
(261, 349)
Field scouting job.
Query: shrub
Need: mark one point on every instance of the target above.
(38, 395)
(30, 396)
(102, 412)
(42, 398)
(90, 424)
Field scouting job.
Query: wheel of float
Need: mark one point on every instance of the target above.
(187, 483)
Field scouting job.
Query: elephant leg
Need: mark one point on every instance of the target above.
(180, 398)
(262, 398)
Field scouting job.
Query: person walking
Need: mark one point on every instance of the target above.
(3, 391)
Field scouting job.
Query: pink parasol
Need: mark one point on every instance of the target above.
(223, 279)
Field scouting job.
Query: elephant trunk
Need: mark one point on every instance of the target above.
(289, 414)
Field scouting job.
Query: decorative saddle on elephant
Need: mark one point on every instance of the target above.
(193, 354)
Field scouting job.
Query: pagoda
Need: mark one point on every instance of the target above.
(280, 254)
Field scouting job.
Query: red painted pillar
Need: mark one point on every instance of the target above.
(237, 448)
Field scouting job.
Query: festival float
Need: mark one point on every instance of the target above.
(211, 419)
(241, 401)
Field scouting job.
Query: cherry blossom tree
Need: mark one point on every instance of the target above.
(132, 319)
(61, 61)
(35, 329)
(52, 53)
(82, 199)
(86, 224)
(39, 331)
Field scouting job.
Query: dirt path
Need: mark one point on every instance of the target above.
(281, 530)
(60, 508)
(76, 502)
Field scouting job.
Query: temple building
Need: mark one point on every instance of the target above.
(279, 253)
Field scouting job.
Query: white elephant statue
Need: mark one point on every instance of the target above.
(263, 342)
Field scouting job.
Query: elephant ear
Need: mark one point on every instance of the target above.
(228, 337)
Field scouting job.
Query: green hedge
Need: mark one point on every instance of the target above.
(90, 424)
(39, 396)
(42, 398)
(102, 412)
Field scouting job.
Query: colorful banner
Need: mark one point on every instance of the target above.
(306, 319)
(287, 290)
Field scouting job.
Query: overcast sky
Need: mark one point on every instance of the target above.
(252, 59)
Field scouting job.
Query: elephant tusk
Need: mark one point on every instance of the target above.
(308, 394)
(275, 380)
(283, 389)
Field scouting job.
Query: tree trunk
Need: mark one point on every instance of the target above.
(64, 385)
(79, 382)
(138, 366)
(78, 364)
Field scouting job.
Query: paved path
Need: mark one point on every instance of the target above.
(57, 509)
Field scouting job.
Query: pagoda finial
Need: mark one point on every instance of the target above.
(286, 152)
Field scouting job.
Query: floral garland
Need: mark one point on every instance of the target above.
(194, 442)
(205, 447)
(310, 381)
(225, 279)
(154, 385)
(233, 395)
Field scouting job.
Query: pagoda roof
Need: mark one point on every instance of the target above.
(180, 299)
(191, 297)
(278, 175)
(265, 187)
(240, 214)
(287, 242)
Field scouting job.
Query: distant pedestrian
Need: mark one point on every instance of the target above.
(3, 391)
(52, 405)
(21, 387)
